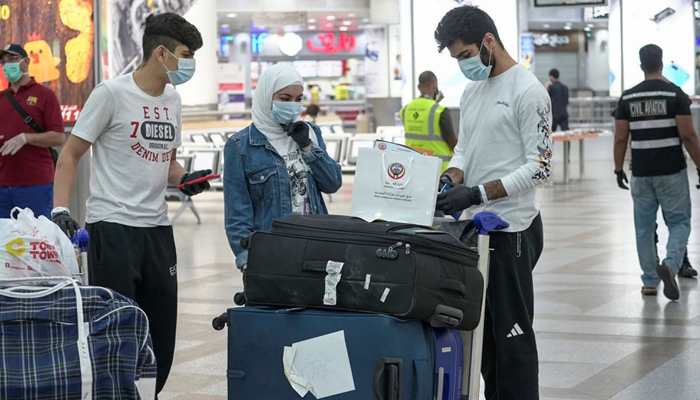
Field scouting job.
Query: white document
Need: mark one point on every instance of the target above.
(320, 365)
(383, 145)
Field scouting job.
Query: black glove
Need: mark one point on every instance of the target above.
(698, 185)
(622, 179)
(457, 199)
(299, 132)
(67, 224)
(444, 180)
(195, 188)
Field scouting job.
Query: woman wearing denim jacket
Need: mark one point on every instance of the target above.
(278, 165)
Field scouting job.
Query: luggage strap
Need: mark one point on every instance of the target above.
(83, 327)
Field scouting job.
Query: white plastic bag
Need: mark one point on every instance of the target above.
(395, 186)
(34, 247)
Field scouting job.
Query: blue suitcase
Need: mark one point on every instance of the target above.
(391, 359)
(449, 364)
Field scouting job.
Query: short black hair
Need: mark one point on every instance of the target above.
(313, 110)
(651, 57)
(426, 78)
(554, 72)
(466, 23)
(169, 30)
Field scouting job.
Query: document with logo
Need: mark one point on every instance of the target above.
(383, 145)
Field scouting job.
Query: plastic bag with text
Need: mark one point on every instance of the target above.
(34, 247)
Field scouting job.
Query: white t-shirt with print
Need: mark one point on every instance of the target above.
(298, 182)
(504, 133)
(132, 135)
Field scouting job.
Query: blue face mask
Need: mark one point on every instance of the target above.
(285, 112)
(474, 69)
(13, 72)
(185, 70)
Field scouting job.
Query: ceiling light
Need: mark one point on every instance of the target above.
(351, 15)
(567, 27)
(590, 25)
(312, 20)
(312, 27)
(232, 15)
(343, 28)
(545, 26)
(331, 17)
(347, 23)
(225, 26)
(587, 29)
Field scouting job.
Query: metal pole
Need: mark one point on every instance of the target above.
(582, 160)
(567, 147)
(473, 341)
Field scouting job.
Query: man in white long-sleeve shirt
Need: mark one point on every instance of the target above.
(502, 155)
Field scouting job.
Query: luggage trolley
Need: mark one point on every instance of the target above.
(473, 340)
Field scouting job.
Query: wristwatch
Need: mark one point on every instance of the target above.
(59, 210)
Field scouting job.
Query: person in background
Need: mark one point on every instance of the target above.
(26, 163)
(312, 112)
(342, 92)
(503, 153)
(398, 68)
(278, 165)
(133, 125)
(656, 114)
(427, 124)
(559, 93)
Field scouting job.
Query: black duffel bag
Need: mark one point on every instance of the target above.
(403, 270)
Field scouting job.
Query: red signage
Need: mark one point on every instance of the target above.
(231, 87)
(329, 46)
(70, 113)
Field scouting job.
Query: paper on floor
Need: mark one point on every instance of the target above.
(320, 365)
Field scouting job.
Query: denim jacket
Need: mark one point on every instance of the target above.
(256, 185)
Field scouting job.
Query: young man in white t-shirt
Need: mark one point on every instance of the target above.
(133, 125)
(502, 155)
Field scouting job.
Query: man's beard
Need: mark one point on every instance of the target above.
(485, 58)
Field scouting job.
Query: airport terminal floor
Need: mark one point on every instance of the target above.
(598, 337)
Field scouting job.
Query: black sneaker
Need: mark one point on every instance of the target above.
(669, 279)
(687, 270)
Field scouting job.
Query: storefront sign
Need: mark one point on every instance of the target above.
(329, 45)
(556, 41)
(308, 44)
(257, 40)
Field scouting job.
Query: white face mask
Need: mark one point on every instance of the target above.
(185, 70)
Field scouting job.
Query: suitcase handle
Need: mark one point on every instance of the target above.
(453, 285)
(389, 389)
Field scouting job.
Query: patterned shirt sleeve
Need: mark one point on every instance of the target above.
(535, 116)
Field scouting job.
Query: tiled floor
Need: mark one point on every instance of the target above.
(598, 337)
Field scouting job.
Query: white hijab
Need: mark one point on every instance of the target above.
(274, 79)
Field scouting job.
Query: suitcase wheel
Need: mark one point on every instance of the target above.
(239, 298)
(220, 322)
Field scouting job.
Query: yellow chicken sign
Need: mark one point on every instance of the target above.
(43, 65)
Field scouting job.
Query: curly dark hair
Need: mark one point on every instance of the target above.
(169, 30)
(466, 23)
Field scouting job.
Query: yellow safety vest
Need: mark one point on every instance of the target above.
(421, 121)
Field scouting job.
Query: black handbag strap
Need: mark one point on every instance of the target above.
(26, 117)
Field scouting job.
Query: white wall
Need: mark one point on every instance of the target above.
(598, 71)
(202, 89)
